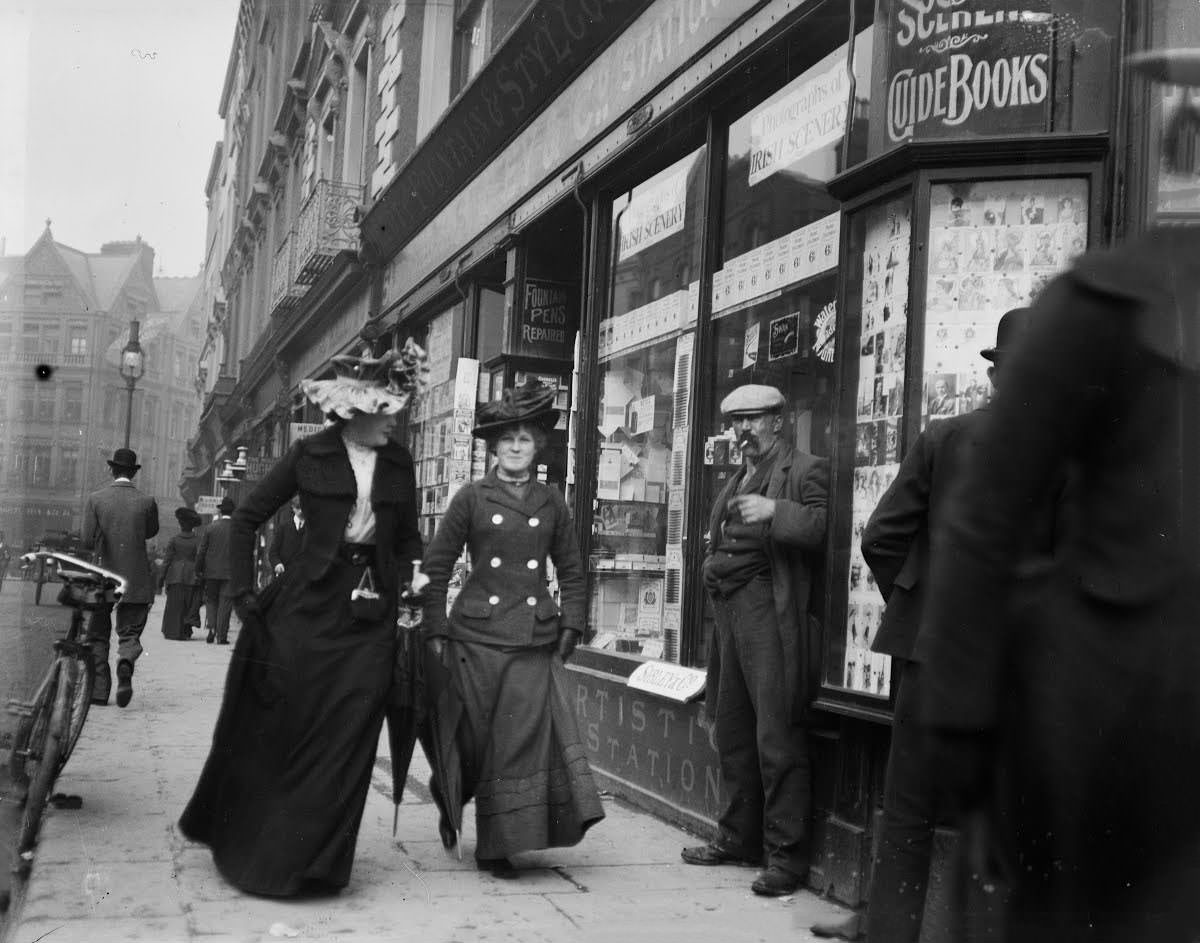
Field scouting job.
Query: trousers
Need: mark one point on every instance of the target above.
(130, 620)
(218, 607)
(766, 777)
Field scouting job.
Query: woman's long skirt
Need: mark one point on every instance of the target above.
(182, 611)
(520, 751)
(282, 794)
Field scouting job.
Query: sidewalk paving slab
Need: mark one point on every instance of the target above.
(118, 869)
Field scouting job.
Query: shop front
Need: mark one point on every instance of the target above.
(836, 200)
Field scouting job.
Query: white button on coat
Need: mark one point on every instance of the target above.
(533, 522)
(493, 600)
(532, 564)
(497, 518)
(495, 562)
(532, 600)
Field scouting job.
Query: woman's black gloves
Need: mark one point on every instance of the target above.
(567, 640)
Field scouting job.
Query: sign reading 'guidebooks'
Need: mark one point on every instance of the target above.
(967, 67)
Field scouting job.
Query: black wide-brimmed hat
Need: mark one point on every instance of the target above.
(530, 403)
(187, 517)
(125, 459)
(227, 505)
(1012, 326)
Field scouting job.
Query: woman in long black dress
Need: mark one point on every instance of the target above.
(182, 612)
(505, 641)
(282, 794)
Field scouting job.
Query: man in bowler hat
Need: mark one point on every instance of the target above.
(896, 546)
(117, 522)
(212, 570)
(1066, 700)
(767, 530)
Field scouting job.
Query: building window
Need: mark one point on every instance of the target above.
(39, 466)
(433, 87)
(111, 405)
(68, 466)
(50, 341)
(45, 402)
(151, 415)
(471, 38)
(77, 341)
(26, 407)
(73, 402)
(29, 339)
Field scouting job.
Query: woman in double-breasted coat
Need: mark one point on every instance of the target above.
(281, 797)
(505, 640)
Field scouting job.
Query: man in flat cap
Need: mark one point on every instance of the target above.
(766, 532)
(1067, 699)
(117, 522)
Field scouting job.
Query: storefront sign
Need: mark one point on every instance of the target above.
(967, 66)
(547, 322)
(207, 503)
(658, 43)
(652, 215)
(674, 682)
(801, 122)
(300, 430)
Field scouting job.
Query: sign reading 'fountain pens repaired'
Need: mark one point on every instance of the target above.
(967, 67)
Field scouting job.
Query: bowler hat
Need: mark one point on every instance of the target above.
(1009, 331)
(124, 458)
(227, 505)
(531, 403)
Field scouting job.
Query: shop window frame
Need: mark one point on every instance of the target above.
(922, 169)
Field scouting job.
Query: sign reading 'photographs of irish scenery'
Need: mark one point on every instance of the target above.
(962, 67)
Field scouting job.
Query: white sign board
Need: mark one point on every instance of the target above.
(674, 682)
(653, 214)
(207, 503)
(799, 123)
(298, 430)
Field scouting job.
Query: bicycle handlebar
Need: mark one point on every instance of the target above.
(115, 582)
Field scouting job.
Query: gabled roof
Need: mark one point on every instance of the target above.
(175, 294)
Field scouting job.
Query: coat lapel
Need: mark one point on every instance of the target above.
(538, 495)
(779, 474)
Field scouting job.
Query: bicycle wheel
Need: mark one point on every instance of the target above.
(31, 731)
(43, 768)
(81, 682)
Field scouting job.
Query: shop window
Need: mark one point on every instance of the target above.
(1174, 186)
(775, 292)
(645, 365)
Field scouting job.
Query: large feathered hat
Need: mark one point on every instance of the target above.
(366, 384)
(531, 403)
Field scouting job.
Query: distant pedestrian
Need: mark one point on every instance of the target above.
(282, 794)
(5, 557)
(767, 530)
(182, 612)
(1064, 702)
(117, 522)
(213, 572)
(288, 536)
(505, 640)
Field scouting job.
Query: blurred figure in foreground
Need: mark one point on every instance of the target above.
(1064, 702)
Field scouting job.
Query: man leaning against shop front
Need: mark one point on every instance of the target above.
(766, 531)
(117, 522)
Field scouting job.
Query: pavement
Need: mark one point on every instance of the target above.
(117, 869)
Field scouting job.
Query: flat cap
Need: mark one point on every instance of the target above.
(752, 399)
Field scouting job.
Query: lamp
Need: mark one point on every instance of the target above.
(133, 366)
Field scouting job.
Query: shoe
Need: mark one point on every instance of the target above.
(711, 854)
(124, 682)
(222, 641)
(851, 928)
(497, 867)
(99, 701)
(211, 635)
(775, 882)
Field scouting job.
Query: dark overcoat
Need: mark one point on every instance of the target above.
(1084, 673)
(117, 521)
(179, 563)
(505, 600)
(799, 486)
(212, 556)
(285, 542)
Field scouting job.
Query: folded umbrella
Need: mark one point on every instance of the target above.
(445, 711)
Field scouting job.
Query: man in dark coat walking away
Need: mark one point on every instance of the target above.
(213, 571)
(117, 522)
(1068, 698)
(289, 534)
(896, 546)
(767, 530)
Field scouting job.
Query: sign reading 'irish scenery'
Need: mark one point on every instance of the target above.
(961, 67)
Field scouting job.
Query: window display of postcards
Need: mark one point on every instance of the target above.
(880, 409)
(442, 444)
(993, 246)
(767, 269)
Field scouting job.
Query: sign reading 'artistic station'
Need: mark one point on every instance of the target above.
(968, 66)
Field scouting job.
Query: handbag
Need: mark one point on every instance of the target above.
(367, 604)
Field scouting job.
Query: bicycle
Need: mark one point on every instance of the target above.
(52, 720)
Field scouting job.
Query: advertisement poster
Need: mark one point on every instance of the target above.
(802, 121)
(966, 68)
(880, 408)
(784, 340)
(547, 322)
(993, 246)
(750, 345)
(653, 214)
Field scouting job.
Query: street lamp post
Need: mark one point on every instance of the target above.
(133, 365)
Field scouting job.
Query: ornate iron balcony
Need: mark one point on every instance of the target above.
(285, 290)
(326, 227)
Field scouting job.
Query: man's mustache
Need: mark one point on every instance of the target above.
(747, 438)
